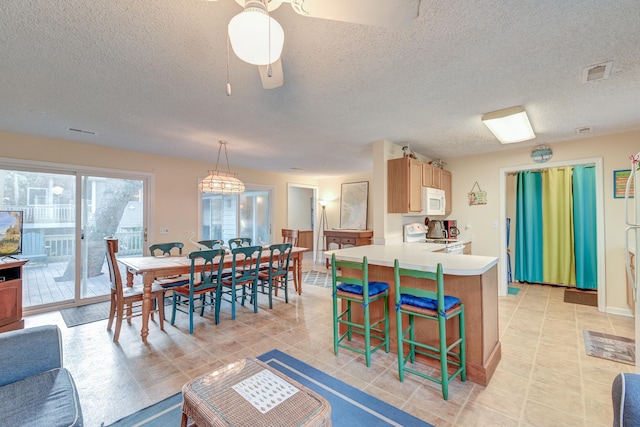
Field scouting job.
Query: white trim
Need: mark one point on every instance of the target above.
(600, 237)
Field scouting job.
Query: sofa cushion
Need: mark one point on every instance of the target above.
(47, 399)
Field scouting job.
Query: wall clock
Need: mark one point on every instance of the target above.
(541, 154)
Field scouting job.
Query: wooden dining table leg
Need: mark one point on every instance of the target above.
(297, 273)
(146, 305)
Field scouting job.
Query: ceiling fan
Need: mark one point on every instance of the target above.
(258, 39)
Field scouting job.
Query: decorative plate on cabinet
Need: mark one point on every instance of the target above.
(541, 154)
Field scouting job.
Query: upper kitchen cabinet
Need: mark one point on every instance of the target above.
(446, 186)
(404, 185)
(431, 176)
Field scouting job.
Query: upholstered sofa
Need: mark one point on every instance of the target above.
(35, 390)
(625, 393)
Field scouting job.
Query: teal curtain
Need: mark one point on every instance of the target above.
(584, 217)
(528, 266)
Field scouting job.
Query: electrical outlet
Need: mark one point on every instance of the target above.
(467, 224)
(164, 231)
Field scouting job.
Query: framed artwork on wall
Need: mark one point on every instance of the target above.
(620, 183)
(354, 202)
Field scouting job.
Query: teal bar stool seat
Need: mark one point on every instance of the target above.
(204, 281)
(431, 305)
(358, 290)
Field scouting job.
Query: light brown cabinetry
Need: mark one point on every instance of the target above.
(446, 186)
(404, 185)
(467, 249)
(631, 303)
(431, 176)
(11, 295)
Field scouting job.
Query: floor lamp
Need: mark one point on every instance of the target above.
(322, 226)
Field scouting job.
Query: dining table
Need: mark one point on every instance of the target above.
(150, 267)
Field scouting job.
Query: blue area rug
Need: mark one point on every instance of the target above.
(513, 291)
(349, 406)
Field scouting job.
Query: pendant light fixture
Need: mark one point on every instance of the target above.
(256, 37)
(221, 182)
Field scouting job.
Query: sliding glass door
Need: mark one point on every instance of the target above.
(66, 215)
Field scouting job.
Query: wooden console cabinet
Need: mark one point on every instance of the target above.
(347, 238)
(11, 294)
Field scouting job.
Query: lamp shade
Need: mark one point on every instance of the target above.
(221, 183)
(509, 125)
(256, 37)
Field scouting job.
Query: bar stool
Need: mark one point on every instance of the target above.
(359, 290)
(429, 305)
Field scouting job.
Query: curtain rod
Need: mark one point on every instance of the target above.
(546, 169)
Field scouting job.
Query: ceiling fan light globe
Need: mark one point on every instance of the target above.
(250, 40)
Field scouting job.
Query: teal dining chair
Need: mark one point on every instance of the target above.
(356, 289)
(203, 288)
(212, 244)
(168, 282)
(239, 242)
(276, 275)
(435, 306)
(245, 265)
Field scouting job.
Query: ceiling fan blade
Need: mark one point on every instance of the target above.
(396, 14)
(277, 76)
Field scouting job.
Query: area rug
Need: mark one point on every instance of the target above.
(86, 314)
(611, 347)
(584, 297)
(89, 313)
(513, 290)
(349, 406)
(317, 278)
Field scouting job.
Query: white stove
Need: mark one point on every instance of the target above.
(417, 233)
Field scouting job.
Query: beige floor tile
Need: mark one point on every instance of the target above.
(544, 379)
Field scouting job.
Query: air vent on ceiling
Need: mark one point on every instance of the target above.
(595, 72)
(583, 130)
(88, 132)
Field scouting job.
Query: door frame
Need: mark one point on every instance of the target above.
(600, 243)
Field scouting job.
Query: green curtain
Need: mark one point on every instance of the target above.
(584, 216)
(528, 265)
(557, 227)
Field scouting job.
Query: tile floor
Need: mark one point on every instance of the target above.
(544, 379)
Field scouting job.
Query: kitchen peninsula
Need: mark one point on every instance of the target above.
(473, 279)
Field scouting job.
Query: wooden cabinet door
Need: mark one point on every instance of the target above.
(427, 175)
(415, 186)
(446, 186)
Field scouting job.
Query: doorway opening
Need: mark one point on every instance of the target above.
(506, 192)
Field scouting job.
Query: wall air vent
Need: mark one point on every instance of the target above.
(596, 72)
(88, 132)
(583, 130)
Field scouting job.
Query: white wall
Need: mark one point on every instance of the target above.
(299, 206)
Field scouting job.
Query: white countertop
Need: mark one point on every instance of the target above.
(417, 256)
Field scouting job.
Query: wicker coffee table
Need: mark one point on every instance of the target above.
(251, 393)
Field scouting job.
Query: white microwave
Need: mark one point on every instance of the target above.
(433, 201)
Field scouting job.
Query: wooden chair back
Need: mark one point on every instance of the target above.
(112, 263)
(290, 236)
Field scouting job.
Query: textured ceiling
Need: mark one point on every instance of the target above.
(151, 76)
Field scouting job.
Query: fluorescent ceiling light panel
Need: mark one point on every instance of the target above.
(509, 125)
